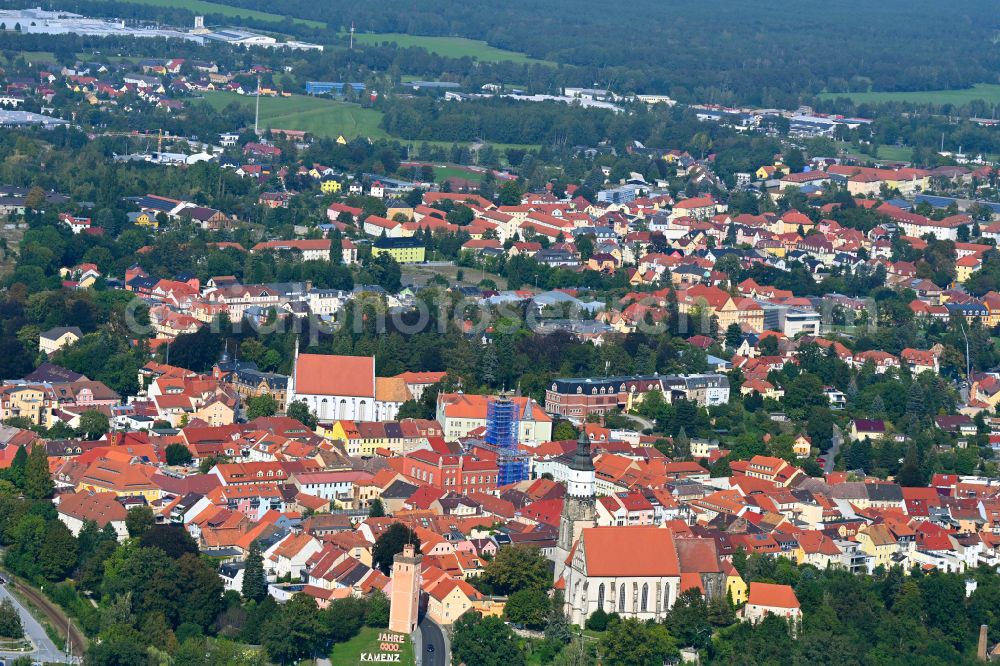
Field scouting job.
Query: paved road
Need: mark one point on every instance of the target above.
(645, 423)
(831, 455)
(45, 649)
(432, 634)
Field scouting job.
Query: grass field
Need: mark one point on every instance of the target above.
(321, 117)
(36, 56)
(420, 275)
(450, 47)
(885, 152)
(349, 653)
(989, 92)
(205, 7)
(443, 173)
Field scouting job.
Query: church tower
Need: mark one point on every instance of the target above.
(579, 505)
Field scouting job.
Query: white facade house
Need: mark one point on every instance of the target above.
(334, 387)
(329, 485)
(289, 556)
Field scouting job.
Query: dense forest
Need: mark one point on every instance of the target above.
(719, 51)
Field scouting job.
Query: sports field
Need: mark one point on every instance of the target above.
(450, 47)
(318, 116)
(205, 7)
(989, 92)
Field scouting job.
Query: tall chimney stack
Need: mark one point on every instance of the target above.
(981, 652)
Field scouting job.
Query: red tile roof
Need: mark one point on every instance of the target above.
(650, 551)
(774, 596)
(323, 374)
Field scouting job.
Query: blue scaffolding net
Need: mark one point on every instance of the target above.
(501, 436)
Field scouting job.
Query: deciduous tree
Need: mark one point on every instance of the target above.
(390, 543)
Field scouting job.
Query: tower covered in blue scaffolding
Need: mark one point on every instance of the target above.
(502, 426)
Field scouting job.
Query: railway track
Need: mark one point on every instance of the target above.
(54, 615)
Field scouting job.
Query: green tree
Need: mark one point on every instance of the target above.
(518, 568)
(734, 335)
(479, 641)
(529, 607)
(94, 424)
(178, 454)
(910, 475)
(795, 160)
(768, 346)
(598, 620)
(376, 509)
(121, 649)
(59, 552)
(411, 409)
(634, 643)
(10, 620)
(37, 479)
(688, 619)
(254, 581)
(299, 411)
(261, 406)
(294, 632)
(377, 611)
(682, 444)
(201, 590)
(819, 427)
(171, 539)
(18, 467)
(509, 193)
(344, 618)
(803, 393)
(563, 431)
(460, 215)
(158, 633)
(138, 520)
(390, 543)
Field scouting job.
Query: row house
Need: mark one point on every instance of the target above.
(237, 298)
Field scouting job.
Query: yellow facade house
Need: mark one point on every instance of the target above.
(879, 542)
(736, 587)
(55, 339)
(403, 250)
(449, 599)
(330, 186)
(33, 402)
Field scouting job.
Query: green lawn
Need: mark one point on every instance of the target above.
(885, 152)
(450, 47)
(319, 116)
(35, 56)
(349, 653)
(442, 174)
(205, 7)
(990, 92)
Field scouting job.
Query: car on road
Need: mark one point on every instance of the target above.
(430, 647)
(821, 461)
